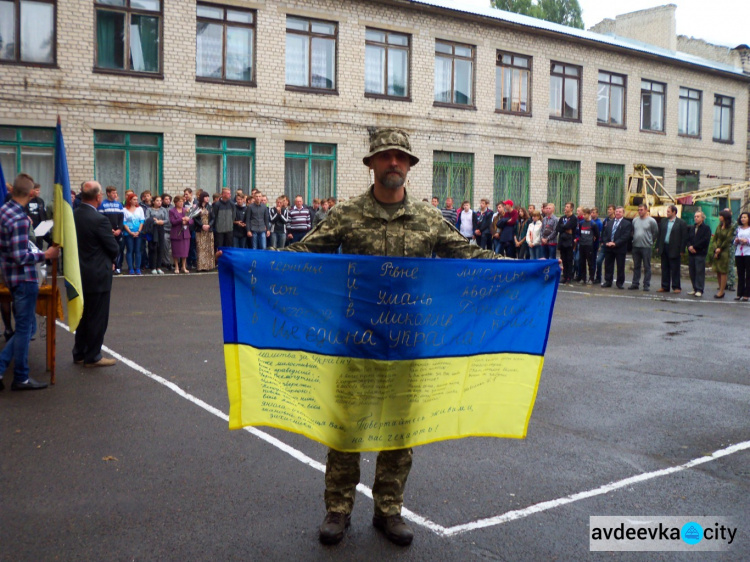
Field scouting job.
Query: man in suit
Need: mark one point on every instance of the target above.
(672, 241)
(617, 234)
(97, 252)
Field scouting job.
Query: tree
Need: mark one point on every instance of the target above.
(565, 12)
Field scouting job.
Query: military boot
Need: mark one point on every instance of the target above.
(395, 529)
(333, 527)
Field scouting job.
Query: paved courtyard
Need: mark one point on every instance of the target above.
(136, 462)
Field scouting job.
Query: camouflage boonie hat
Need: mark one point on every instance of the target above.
(390, 139)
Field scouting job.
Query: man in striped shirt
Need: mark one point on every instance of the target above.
(300, 220)
(449, 213)
(18, 264)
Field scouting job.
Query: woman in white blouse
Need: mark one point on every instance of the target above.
(742, 257)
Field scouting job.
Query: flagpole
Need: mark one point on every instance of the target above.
(52, 324)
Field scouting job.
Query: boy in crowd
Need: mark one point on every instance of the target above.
(482, 224)
(113, 210)
(258, 221)
(588, 236)
(239, 231)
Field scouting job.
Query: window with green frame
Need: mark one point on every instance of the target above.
(688, 180)
(128, 161)
(512, 179)
(225, 162)
(309, 170)
(563, 182)
(453, 176)
(610, 185)
(32, 151)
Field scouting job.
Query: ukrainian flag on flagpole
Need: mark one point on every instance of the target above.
(3, 188)
(64, 232)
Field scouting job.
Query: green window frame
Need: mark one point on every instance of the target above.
(610, 185)
(309, 170)
(563, 182)
(128, 37)
(453, 176)
(30, 150)
(688, 180)
(125, 161)
(512, 180)
(230, 160)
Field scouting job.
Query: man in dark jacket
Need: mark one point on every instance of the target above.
(257, 223)
(566, 229)
(698, 239)
(97, 252)
(672, 241)
(482, 224)
(224, 216)
(617, 234)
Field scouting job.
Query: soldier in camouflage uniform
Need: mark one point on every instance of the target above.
(384, 221)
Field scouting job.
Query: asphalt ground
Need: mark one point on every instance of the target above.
(135, 462)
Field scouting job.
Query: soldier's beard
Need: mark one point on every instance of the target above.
(392, 179)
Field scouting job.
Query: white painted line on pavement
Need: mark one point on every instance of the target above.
(291, 451)
(410, 515)
(601, 490)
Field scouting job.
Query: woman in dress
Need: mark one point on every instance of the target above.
(722, 245)
(180, 233)
(204, 236)
(742, 257)
(519, 236)
(133, 225)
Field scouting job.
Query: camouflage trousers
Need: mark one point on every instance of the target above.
(731, 272)
(342, 476)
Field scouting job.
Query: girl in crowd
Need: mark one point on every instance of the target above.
(157, 216)
(722, 245)
(742, 257)
(534, 236)
(180, 233)
(204, 237)
(521, 228)
(133, 223)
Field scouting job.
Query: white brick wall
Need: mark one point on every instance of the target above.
(179, 107)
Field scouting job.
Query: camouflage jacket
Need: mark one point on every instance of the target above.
(362, 226)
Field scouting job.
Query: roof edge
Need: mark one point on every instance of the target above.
(541, 27)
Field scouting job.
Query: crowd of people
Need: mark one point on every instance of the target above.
(592, 248)
(184, 232)
(160, 232)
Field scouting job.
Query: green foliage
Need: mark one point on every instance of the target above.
(565, 12)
